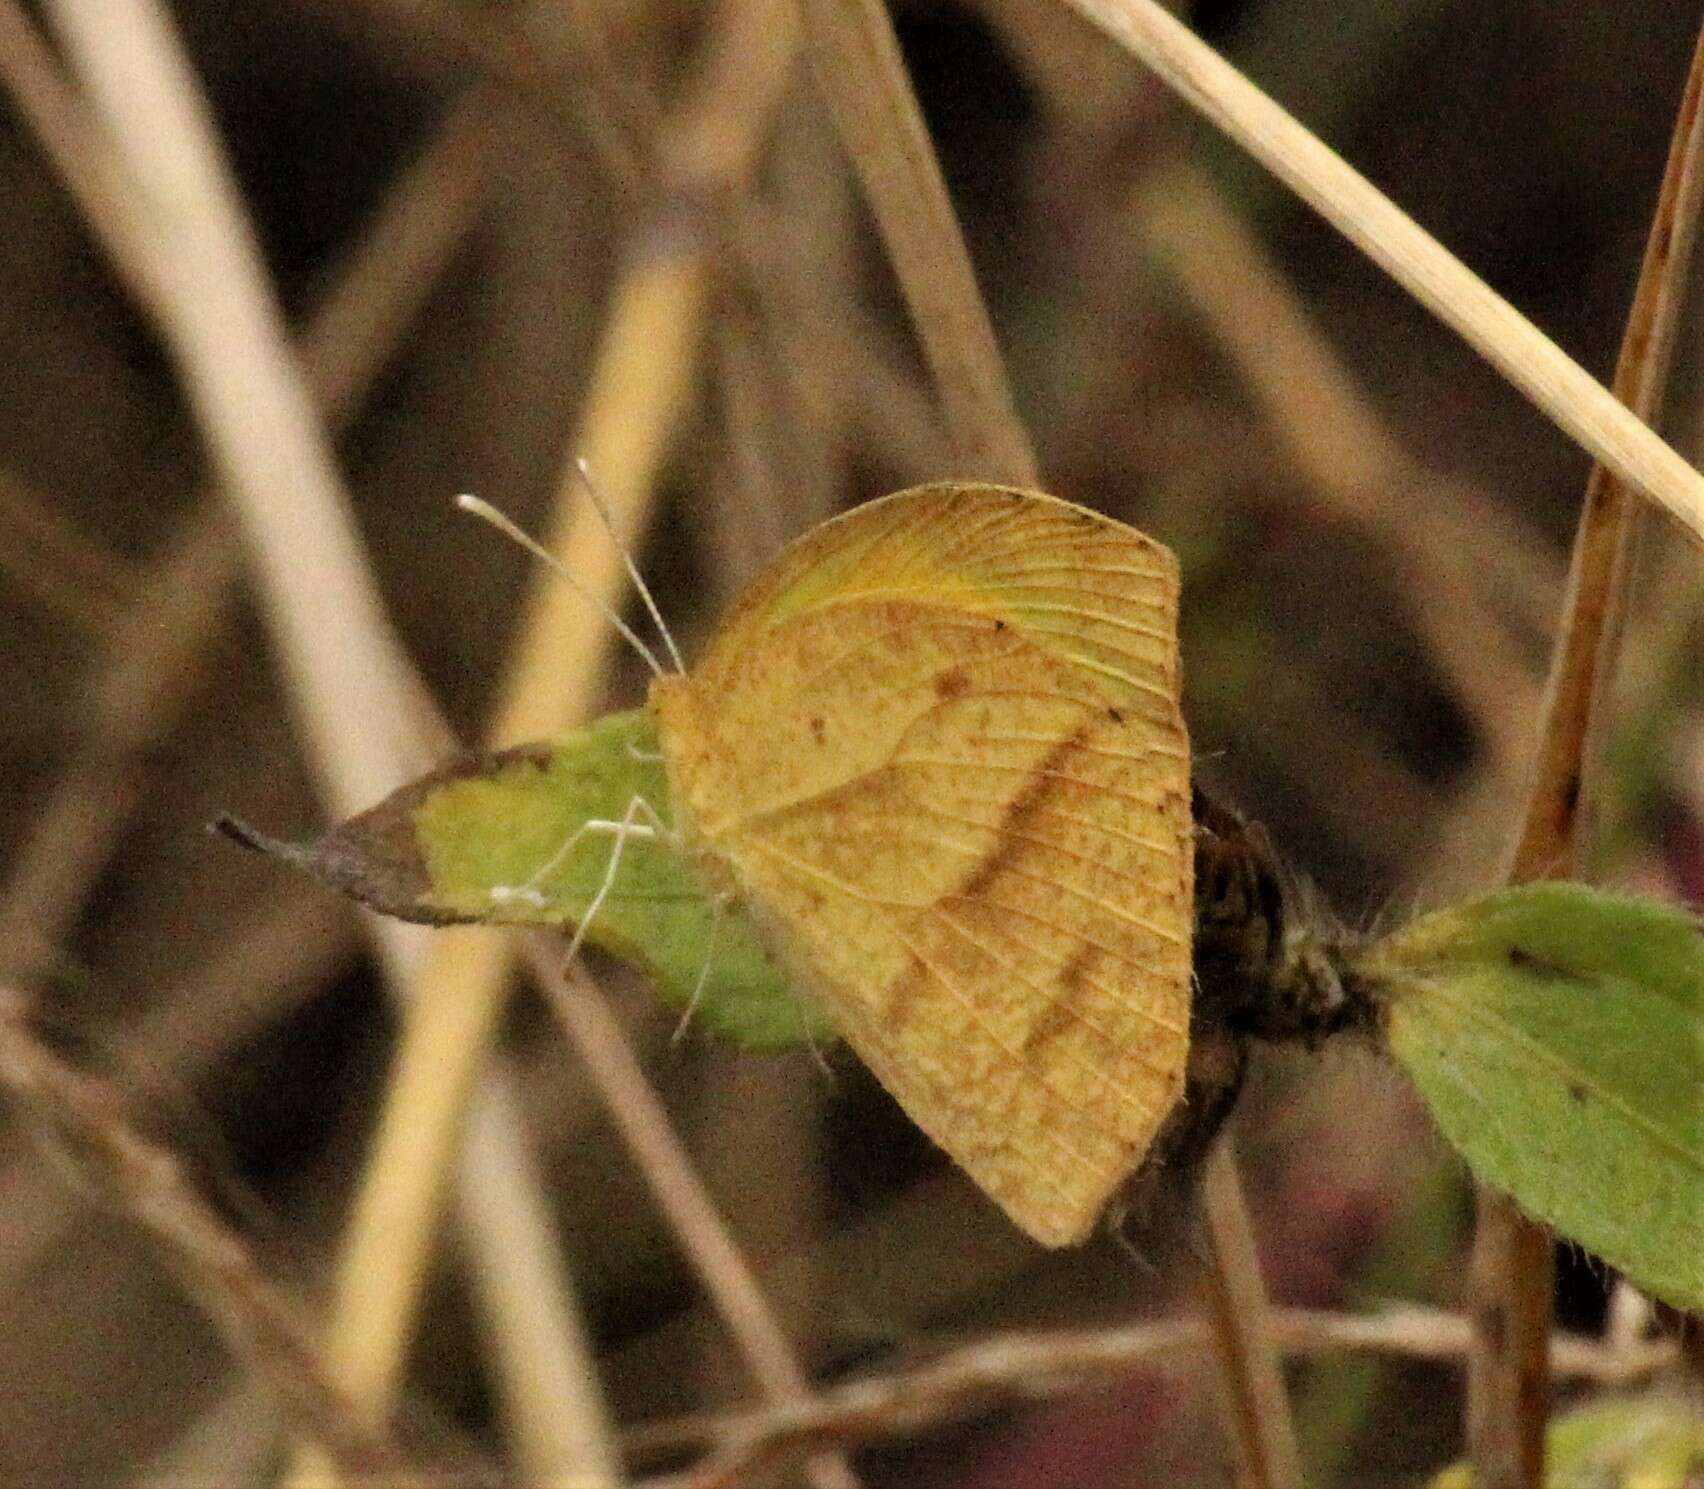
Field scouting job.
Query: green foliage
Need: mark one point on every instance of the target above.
(1557, 1034)
(484, 841)
(1653, 1443)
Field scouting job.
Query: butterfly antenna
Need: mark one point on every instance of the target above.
(487, 512)
(597, 496)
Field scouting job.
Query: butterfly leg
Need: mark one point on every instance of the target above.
(627, 827)
(717, 906)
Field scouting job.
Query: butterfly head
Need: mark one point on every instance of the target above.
(694, 761)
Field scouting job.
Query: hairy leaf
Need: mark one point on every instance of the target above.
(491, 839)
(1557, 1034)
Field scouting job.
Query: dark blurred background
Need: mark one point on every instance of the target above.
(1373, 529)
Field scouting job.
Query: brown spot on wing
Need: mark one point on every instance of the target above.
(1064, 1012)
(905, 990)
(951, 683)
(1018, 811)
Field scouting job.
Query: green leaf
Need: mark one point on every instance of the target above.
(1557, 1034)
(1656, 1442)
(483, 841)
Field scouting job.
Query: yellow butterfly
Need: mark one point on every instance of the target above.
(936, 752)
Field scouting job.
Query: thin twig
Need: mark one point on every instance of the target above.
(160, 649)
(839, 355)
(1580, 667)
(1254, 1402)
(712, 144)
(268, 965)
(46, 556)
(754, 489)
(1513, 1270)
(220, 320)
(541, 55)
(368, 721)
(1511, 1276)
(643, 380)
(1466, 570)
(887, 1262)
(789, 353)
(138, 693)
(146, 1182)
(378, 292)
(79, 151)
(644, 1126)
(591, 1026)
(1579, 405)
(857, 64)
(1005, 1371)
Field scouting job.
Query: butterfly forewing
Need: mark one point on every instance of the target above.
(951, 780)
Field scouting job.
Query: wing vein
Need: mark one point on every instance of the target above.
(1051, 1134)
(947, 763)
(894, 833)
(1122, 1047)
(1037, 607)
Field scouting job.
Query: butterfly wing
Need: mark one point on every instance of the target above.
(937, 750)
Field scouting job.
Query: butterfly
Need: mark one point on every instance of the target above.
(933, 765)
(936, 753)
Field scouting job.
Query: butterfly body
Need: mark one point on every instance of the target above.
(936, 752)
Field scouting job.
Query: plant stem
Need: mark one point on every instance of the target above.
(1513, 1269)
(1254, 1402)
(1581, 406)
(856, 60)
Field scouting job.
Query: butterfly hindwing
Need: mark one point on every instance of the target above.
(937, 749)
